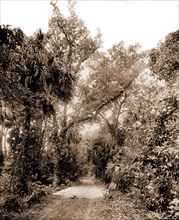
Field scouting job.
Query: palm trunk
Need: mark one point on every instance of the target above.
(55, 141)
(60, 141)
(5, 141)
(3, 138)
(20, 164)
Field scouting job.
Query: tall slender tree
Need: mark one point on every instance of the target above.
(71, 45)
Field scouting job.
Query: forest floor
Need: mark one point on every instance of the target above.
(85, 201)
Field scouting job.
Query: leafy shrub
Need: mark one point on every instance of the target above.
(36, 191)
(160, 163)
(125, 180)
(160, 178)
(47, 167)
(67, 166)
(120, 172)
(12, 204)
(100, 155)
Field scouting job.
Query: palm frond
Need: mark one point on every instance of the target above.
(62, 84)
(48, 108)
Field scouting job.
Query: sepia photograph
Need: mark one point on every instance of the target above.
(89, 109)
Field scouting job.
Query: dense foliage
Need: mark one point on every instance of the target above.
(33, 80)
(99, 155)
(160, 160)
(164, 60)
(147, 161)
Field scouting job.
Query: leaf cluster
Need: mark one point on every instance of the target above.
(164, 61)
(160, 162)
(99, 154)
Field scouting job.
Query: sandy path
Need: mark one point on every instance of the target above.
(88, 189)
(85, 202)
(76, 202)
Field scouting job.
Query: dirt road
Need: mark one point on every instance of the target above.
(89, 188)
(85, 201)
(76, 202)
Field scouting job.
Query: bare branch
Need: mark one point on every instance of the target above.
(104, 118)
(66, 36)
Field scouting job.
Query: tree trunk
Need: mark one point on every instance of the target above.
(60, 141)
(20, 163)
(25, 156)
(55, 142)
(5, 141)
